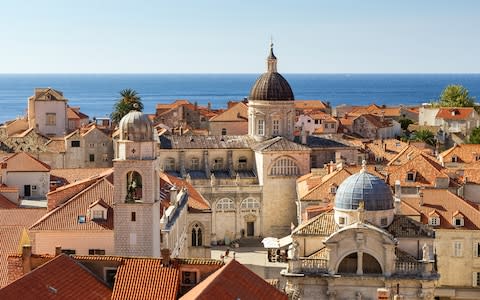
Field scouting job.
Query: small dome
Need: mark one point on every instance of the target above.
(271, 86)
(363, 186)
(135, 126)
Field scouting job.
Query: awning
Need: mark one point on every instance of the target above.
(275, 243)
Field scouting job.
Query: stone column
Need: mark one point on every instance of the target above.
(360, 263)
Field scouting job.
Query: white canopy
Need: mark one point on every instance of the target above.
(275, 243)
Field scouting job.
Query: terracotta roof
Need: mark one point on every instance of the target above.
(404, 226)
(323, 253)
(66, 216)
(310, 104)
(172, 105)
(454, 113)
(323, 224)
(6, 204)
(277, 144)
(378, 110)
(322, 190)
(465, 153)
(59, 278)
(408, 153)
(24, 162)
(237, 113)
(62, 194)
(425, 170)
(376, 120)
(146, 279)
(12, 224)
(445, 204)
(234, 281)
(386, 149)
(195, 199)
(77, 174)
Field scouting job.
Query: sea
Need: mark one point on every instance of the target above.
(96, 94)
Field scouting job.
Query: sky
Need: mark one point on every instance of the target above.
(210, 36)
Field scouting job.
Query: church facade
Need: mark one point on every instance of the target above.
(248, 180)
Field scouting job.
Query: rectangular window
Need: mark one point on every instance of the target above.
(189, 278)
(133, 238)
(476, 249)
(51, 119)
(476, 278)
(261, 127)
(224, 131)
(96, 252)
(133, 216)
(242, 163)
(69, 251)
(383, 222)
(276, 127)
(75, 144)
(91, 145)
(91, 157)
(97, 215)
(341, 220)
(410, 177)
(458, 248)
(105, 157)
(434, 221)
(110, 276)
(195, 163)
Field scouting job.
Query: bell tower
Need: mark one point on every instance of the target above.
(136, 189)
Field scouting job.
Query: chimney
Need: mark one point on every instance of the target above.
(58, 250)
(165, 252)
(173, 195)
(398, 189)
(209, 106)
(195, 106)
(27, 258)
(420, 196)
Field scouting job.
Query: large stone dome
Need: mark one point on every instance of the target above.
(363, 186)
(271, 86)
(135, 126)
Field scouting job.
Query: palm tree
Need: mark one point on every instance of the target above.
(424, 135)
(129, 100)
(456, 96)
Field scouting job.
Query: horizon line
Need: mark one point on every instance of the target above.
(241, 73)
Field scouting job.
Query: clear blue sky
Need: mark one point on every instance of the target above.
(207, 36)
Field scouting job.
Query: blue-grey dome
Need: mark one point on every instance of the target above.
(363, 186)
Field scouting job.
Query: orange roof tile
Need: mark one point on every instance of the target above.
(234, 281)
(24, 162)
(237, 113)
(12, 223)
(59, 278)
(74, 175)
(310, 104)
(465, 153)
(454, 113)
(195, 199)
(146, 279)
(387, 148)
(5, 203)
(66, 216)
(445, 204)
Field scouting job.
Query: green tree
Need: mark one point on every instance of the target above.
(456, 96)
(129, 100)
(404, 122)
(424, 135)
(475, 136)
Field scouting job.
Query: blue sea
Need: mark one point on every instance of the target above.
(97, 93)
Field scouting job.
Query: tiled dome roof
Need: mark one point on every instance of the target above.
(135, 126)
(271, 86)
(362, 186)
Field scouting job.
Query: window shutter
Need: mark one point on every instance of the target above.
(475, 249)
(474, 279)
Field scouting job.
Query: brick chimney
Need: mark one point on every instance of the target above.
(27, 258)
(173, 195)
(58, 250)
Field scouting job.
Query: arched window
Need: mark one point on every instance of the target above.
(134, 186)
(196, 235)
(250, 203)
(218, 163)
(284, 167)
(169, 164)
(195, 164)
(225, 204)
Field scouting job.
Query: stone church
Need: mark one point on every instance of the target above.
(248, 180)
